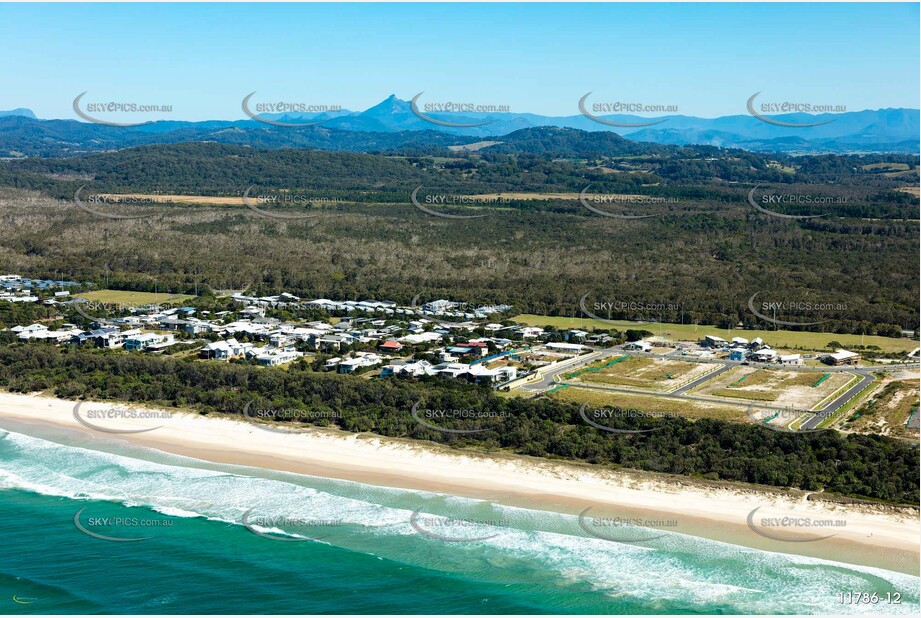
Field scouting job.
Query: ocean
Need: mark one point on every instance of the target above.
(96, 526)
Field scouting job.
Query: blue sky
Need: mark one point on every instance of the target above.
(706, 59)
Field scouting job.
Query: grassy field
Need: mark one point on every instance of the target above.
(653, 405)
(123, 297)
(691, 332)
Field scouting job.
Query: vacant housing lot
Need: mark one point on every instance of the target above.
(650, 404)
(134, 299)
(891, 411)
(799, 389)
(658, 374)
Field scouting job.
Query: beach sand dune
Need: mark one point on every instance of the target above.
(874, 535)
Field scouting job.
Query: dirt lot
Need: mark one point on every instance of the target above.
(658, 374)
(778, 386)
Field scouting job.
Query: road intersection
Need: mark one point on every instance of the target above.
(554, 376)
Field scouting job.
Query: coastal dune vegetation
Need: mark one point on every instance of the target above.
(856, 466)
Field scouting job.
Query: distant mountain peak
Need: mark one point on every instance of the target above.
(19, 111)
(390, 105)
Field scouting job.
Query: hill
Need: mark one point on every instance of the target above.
(393, 126)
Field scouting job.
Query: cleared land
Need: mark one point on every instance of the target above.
(690, 332)
(149, 199)
(785, 388)
(123, 297)
(888, 411)
(472, 147)
(152, 200)
(566, 196)
(889, 167)
(656, 374)
(652, 404)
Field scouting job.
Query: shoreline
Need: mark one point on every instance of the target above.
(872, 535)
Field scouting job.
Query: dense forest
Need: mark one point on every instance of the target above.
(702, 256)
(859, 466)
(611, 165)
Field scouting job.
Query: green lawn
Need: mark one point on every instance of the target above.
(691, 332)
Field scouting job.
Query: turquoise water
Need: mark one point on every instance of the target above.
(341, 547)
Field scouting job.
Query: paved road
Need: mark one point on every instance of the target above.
(913, 420)
(551, 378)
(636, 392)
(833, 405)
(548, 379)
(701, 380)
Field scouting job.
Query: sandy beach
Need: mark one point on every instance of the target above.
(872, 535)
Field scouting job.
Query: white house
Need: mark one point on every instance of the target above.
(28, 330)
(764, 355)
(437, 306)
(273, 358)
(144, 341)
(225, 350)
(349, 365)
(482, 375)
(420, 338)
(840, 357)
(643, 346)
(41, 332)
(451, 370)
(573, 348)
(790, 359)
(415, 369)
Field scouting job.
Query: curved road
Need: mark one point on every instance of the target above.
(551, 379)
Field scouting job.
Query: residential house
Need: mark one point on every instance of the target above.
(361, 359)
(109, 338)
(764, 355)
(840, 357)
(225, 350)
(275, 357)
(415, 369)
(499, 375)
(137, 343)
(641, 346)
(421, 338)
(737, 355)
(569, 348)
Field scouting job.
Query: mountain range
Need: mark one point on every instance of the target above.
(393, 124)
